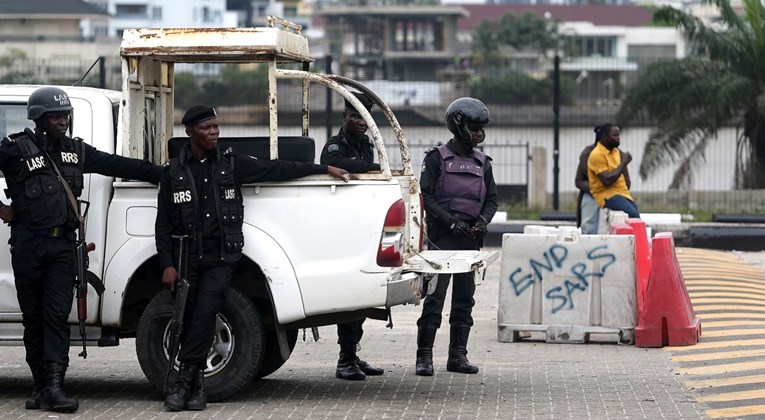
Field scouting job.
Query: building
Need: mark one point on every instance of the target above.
(52, 41)
(398, 43)
(169, 14)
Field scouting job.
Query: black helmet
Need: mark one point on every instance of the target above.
(464, 112)
(47, 99)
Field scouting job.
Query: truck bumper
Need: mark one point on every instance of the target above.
(405, 288)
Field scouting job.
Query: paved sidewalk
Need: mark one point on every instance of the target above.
(527, 380)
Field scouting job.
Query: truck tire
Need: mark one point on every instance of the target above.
(273, 358)
(235, 357)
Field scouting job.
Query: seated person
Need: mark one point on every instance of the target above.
(608, 174)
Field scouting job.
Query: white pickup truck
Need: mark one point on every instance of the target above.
(317, 251)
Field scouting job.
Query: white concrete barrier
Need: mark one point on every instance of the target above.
(608, 217)
(567, 285)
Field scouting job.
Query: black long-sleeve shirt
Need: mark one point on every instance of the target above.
(439, 218)
(94, 161)
(355, 156)
(247, 170)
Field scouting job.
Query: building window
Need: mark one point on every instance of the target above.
(131, 11)
(156, 13)
(586, 46)
(206, 18)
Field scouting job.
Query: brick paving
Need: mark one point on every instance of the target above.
(526, 380)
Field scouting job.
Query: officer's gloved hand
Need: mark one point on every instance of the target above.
(460, 229)
(479, 229)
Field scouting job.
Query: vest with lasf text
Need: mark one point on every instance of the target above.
(228, 204)
(461, 190)
(39, 199)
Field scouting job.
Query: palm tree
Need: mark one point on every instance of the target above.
(689, 100)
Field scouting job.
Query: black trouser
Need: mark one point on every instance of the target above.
(208, 280)
(44, 269)
(463, 288)
(349, 333)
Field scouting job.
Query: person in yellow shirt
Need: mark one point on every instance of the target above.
(608, 174)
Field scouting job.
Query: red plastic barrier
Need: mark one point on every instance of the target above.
(667, 317)
(642, 259)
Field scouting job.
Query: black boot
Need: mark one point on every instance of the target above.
(198, 397)
(53, 397)
(458, 362)
(179, 394)
(425, 338)
(346, 365)
(38, 375)
(368, 369)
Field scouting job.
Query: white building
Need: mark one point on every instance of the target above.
(168, 14)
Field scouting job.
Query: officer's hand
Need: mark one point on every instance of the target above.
(169, 277)
(6, 213)
(460, 229)
(338, 173)
(479, 230)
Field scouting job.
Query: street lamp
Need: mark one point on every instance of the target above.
(556, 114)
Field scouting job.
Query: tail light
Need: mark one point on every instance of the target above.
(390, 252)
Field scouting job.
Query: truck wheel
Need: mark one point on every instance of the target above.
(273, 358)
(236, 354)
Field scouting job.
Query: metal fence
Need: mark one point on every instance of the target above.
(520, 102)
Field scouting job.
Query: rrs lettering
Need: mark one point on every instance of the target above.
(36, 162)
(69, 157)
(229, 194)
(182, 197)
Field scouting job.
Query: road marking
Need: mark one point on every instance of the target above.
(721, 382)
(709, 325)
(718, 355)
(728, 295)
(715, 369)
(724, 413)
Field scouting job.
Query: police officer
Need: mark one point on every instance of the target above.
(460, 198)
(39, 165)
(200, 196)
(352, 150)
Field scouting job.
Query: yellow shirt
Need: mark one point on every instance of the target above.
(601, 160)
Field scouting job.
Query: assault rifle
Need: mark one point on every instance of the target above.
(179, 306)
(82, 277)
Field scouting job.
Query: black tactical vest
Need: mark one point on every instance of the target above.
(39, 199)
(228, 203)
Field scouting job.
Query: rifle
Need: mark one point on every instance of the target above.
(82, 275)
(179, 305)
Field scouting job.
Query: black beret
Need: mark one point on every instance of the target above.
(364, 99)
(197, 114)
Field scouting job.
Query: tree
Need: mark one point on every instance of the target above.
(527, 32)
(689, 100)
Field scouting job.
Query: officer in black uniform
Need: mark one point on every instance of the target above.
(43, 236)
(200, 196)
(460, 198)
(352, 150)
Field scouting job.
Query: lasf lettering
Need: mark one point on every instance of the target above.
(36, 162)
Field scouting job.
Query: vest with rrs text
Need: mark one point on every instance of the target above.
(461, 190)
(228, 204)
(39, 199)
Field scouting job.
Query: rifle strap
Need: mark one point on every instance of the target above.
(69, 193)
